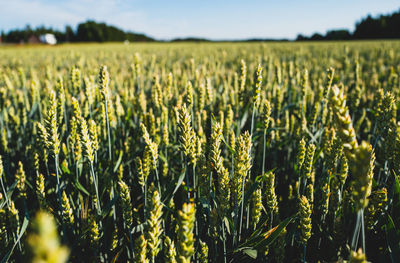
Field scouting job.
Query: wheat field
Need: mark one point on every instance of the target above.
(200, 152)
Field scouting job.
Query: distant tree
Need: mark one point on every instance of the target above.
(195, 39)
(317, 36)
(384, 26)
(69, 34)
(342, 34)
(89, 31)
(100, 32)
(368, 28)
(300, 37)
(393, 25)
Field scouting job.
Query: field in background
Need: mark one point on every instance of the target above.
(200, 152)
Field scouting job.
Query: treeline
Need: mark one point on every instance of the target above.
(88, 31)
(382, 27)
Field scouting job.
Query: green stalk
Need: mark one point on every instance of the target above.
(238, 118)
(59, 194)
(252, 121)
(145, 198)
(108, 131)
(248, 217)
(195, 199)
(241, 208)
(363, 231)
(65, 118)
(185, 166)
(4, 189)
(109, 153)
(58, 181)
(357, 229)
(263, 161)
(244, 179)
(224, 240)
(157, 177)
(96, 188)
(272, 220)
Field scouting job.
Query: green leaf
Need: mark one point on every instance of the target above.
(396, 200)
(261, 241)
(244, 117)
(161, 157)
(108, 207)
(21, 233)
(251, 253)
(34, 108)
(121, 153)
(227, 225)
(178, 184)
(128, 114)
(79, 169)
(80, 187)
(393, 239)
(116, 256)
(64, 168)
(228, 146)
(272, 234)
(139, 228)
(9, 193)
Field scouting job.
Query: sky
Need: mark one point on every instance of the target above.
(213, 19)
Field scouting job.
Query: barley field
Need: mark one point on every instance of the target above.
(200, 152)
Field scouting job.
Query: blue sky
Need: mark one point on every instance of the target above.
(215, 19)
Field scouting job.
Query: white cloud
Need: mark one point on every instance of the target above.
(16, 13)
(58, 14)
